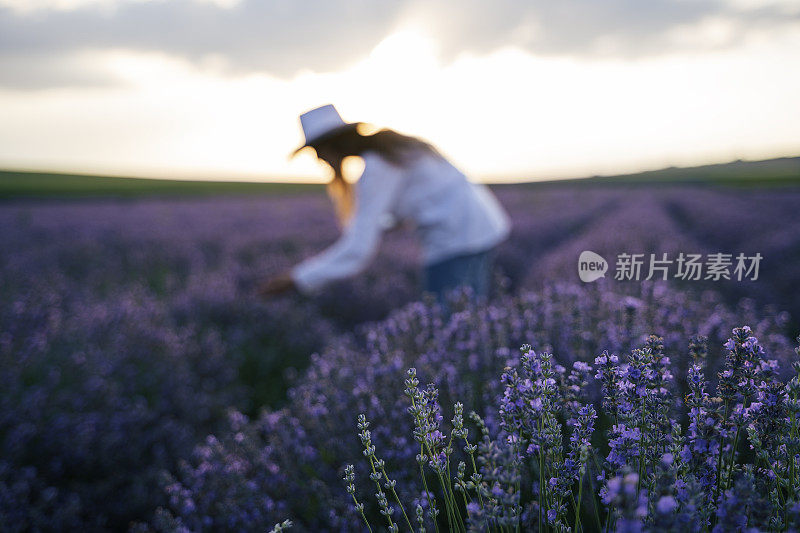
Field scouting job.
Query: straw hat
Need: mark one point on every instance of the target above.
(322, 123)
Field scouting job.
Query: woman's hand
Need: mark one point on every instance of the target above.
(280, 284)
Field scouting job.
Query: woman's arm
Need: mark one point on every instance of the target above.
(375, 194)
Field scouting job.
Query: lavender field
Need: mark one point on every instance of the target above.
(144, 386)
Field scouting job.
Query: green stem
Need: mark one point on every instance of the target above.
(641, 449)
(450, 517)
(594, 502)
(427, 492)
(378, 483)
(362, 513)
(719, 459)
(733, 458)
(517, 486)
(542, 498)
(397, 499)
(449, 500)
(542, 488)
(464, 497)
(456, 510)
(578, 507)
(422, 470)
(793, 433)
(474, 470)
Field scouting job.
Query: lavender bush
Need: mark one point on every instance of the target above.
(129, 332)
(734, 467)
(292, 458)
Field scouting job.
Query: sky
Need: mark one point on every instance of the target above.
(508, 90)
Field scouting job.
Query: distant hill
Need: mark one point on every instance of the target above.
(18, 184)
(769, 172)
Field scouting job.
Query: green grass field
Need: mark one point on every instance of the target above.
(17, 184)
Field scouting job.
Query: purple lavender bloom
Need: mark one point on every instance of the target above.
(129, 330)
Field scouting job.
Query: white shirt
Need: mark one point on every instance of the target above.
(453, 216)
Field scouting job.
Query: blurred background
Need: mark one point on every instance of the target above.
(524, 90)
(145, 386)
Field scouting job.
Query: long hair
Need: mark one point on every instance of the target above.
(394, 147)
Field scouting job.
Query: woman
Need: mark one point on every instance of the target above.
(404, 179)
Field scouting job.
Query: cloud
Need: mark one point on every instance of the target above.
(626, 28)
(283, 37)
(31, 71)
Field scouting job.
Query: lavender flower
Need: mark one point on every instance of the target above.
(129, 334)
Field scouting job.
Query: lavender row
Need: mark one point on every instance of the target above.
(733, 466)
(288, 463)
(129, 330)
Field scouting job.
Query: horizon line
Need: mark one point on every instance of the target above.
(308, 180)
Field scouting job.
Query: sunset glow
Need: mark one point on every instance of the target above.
(503, 115)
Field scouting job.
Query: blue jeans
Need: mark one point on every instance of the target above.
(472, 270)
